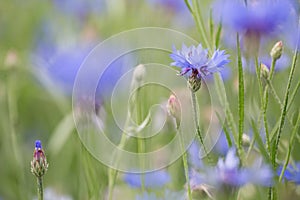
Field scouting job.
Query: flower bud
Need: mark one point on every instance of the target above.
(194, 81)
(276, 51)
(173, 107)
(264, 71)
(39, 164)
(246, 140)
(139, 73)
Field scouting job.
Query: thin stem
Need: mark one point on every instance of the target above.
(199, 23)
(40, 188)
(185, 164)
(241, 106)
(112, 173)
(265, 105)
(291, 143)
(196, 120)
(284, 109)
(140, 142)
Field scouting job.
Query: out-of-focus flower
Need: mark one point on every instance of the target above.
(195, 63)
(258, 19)
(154, 179)
(281, 64)
(60, 66)
(194, 155)
(79, 8)
(39, 164)
(180, 13)
(292, 173)
(228, 172)
(174, 195)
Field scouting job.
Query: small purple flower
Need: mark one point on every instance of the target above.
(292, 173)
(154, 179)
(196, 60)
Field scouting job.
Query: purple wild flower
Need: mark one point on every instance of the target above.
(291, 173)
(196, 64)
(154, 179)
(196, 59)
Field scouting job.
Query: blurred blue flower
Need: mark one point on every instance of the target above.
(79, 8)
(228, 172)
(168, 194)
(292, 173)
(260, 17)
(195, 59)
(176, 6)
(194, 155)
(221, 147)
(60, 64)
(257, 22)
(281, 64)
(154, 179)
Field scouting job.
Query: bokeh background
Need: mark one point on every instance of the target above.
(43, 44)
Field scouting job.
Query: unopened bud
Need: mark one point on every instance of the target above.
(246, 140)
(194, 81)
(39, 164)
(264, 71)
(276, 51)
(173, 107)
(139, 73)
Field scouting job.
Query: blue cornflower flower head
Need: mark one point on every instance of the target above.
(291, 173)
(195, 62)
(154, 179)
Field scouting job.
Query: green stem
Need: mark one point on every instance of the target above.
(112, 173)
(199, 23)
(196, 120)
(284, 109)
(140, 142)
(291, 142)
(185, 164)
(241, 106)
(40, 188)
(265, 105)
